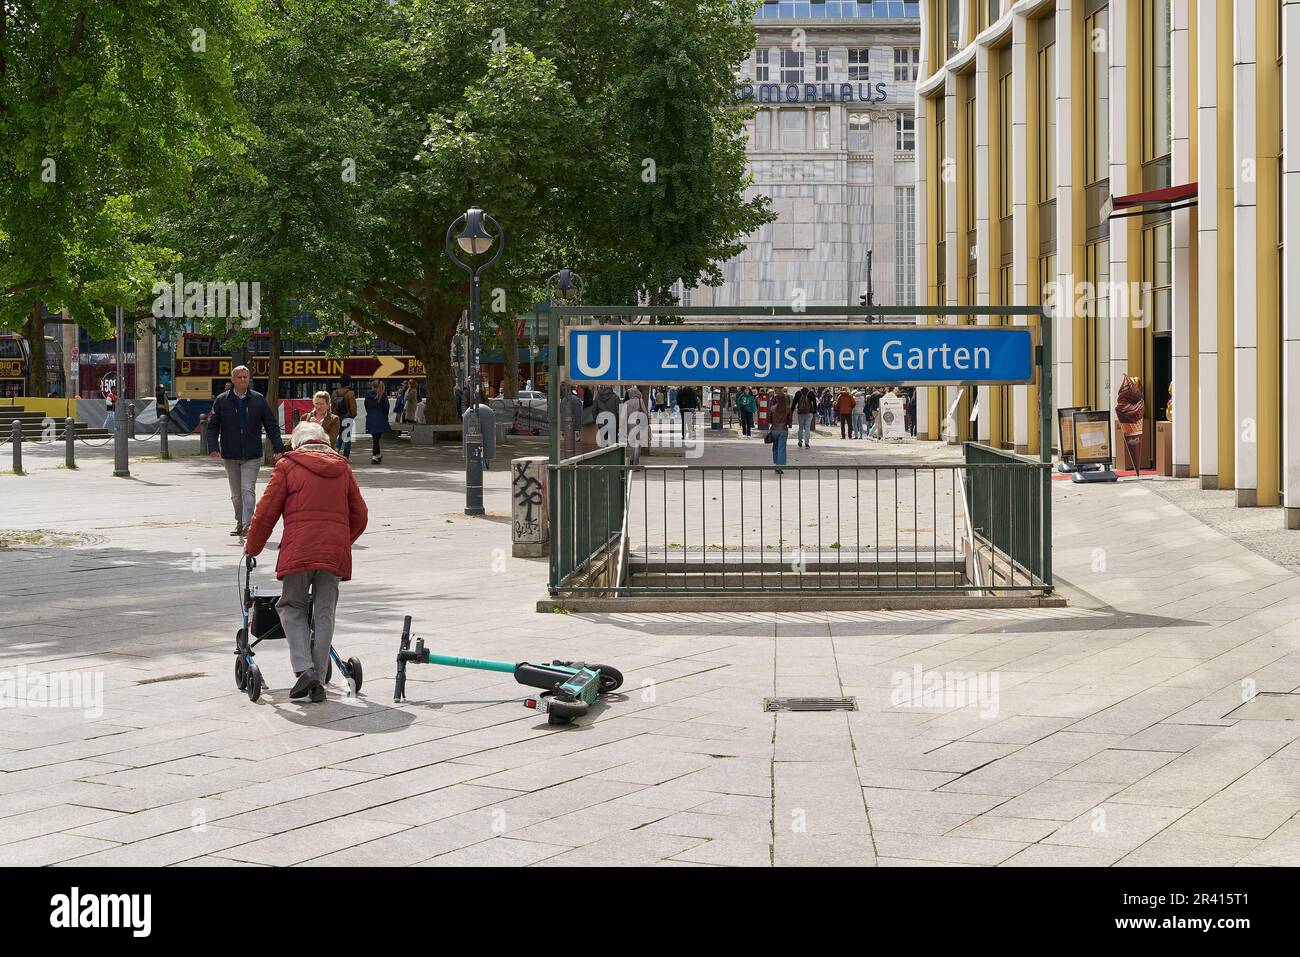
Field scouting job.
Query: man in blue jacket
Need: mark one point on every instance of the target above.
(235, 427)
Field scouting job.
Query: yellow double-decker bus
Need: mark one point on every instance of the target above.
(203, 364)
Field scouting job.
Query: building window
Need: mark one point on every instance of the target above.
(907, 63)
(761, 73)
(1046, 113)
(859, 64)
(905, 245)
(1156, 103)
(859, 132)
(1096, 316)
(905, 132)
(791, 66)
(822, 129)
(1096, 79)
(1157, 270)
(954, 26)
(792, 129)
(823, 68)
(763, 130)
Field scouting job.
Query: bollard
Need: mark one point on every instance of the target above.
(762, 410)
(16, 439)
(162, 437)
(715, 409)
(70, 443)
(203, 434)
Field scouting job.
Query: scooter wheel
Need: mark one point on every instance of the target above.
(561, 711)
(241, 672)
(611, 679)
(254, 683)
(354, 666)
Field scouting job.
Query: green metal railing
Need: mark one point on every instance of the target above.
(1010, 502)
(587, 512)
(748, 529)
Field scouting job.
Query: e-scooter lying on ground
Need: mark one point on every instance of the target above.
(262, 623)
(569, 688)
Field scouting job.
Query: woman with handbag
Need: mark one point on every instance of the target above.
(778, 432)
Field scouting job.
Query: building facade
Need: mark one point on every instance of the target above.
(832, 143)
(1124, 162)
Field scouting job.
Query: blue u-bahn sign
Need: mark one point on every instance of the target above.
(904, 355)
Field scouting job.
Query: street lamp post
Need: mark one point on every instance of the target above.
(121, 467)
(476, 241)
(565, 286)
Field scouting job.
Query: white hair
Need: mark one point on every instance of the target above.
(305, 432)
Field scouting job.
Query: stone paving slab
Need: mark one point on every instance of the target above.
(1148, 723)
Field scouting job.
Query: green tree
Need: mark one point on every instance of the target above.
(288, 214)
(104, 109)
(603, 135)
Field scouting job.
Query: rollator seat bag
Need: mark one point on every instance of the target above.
(264, 619)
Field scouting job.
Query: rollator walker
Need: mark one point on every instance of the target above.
(262, 623)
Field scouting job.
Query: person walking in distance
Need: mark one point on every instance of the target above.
(805, 404)
(778, 432)
(343, 403)
(235, 429)
(376, 419)
(687, 402)
(637, 424)
(844, 410)
(746, 406)
(322, 416)
(859, 413)
(110, 407)
(315, 492)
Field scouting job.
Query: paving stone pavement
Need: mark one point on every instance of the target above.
(1152, 722)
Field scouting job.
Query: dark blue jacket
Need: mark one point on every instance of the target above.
(377, 415)
(240, 429)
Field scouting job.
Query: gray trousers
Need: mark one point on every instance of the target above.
(242, 474)
(292, 606)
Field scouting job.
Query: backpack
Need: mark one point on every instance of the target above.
(805, 405)
(340, 404)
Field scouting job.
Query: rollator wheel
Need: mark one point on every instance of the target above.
(241, 672)
(254, 683)
(354, 665)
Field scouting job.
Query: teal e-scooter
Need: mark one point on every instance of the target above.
(569, 688)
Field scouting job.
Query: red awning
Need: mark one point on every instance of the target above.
(1157, 199)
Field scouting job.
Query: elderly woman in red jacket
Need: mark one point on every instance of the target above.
(313, 488)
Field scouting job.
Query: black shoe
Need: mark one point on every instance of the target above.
(308, 681)
(318, 694)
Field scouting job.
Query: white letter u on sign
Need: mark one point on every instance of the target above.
(584, 364)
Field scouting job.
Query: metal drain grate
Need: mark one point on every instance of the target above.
(810, 704)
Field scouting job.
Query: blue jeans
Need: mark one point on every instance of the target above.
(779, 439)
(858, 418)
(805, 424)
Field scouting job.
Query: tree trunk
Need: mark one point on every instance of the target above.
(38, 385)
(273, 368)
(273, 391)
(440, 387)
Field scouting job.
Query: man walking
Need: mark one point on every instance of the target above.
(235, 428)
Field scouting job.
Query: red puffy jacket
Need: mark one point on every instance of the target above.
(323, 511)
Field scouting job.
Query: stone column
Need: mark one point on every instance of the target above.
(1244, 250)
(884, 215)
(1290, 265)
(1024, 257)
(530, 522)
(1185, 374)
(1208, 240)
